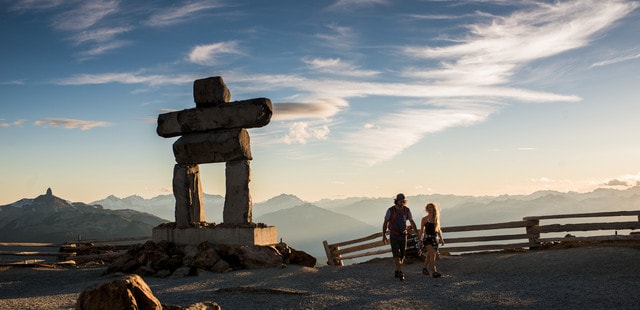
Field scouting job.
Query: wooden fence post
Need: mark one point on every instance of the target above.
(534, 234)
(327, 251)
(338, 259)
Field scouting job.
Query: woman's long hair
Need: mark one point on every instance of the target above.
(436, 214)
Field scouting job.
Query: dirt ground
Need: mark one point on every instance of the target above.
(586, 277)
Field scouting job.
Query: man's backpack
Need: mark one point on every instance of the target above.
(394, 213)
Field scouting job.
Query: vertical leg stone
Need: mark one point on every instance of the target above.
(188, 193)
(237, 204)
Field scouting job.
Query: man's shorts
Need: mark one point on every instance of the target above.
(398, 247)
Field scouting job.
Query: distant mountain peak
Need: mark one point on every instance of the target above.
(286, 197)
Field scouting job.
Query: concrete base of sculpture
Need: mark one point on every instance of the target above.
(221, 234)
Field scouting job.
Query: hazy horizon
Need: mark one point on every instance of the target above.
(321, 199)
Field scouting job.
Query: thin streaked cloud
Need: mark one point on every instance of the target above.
(353, 4)
(86, 15)
(36, 4)
(125, 78)
(99, 35)
(339, 37)
(615, 60)
(408, 126)
(69, 123)
(207, 54)
(185, 12)
(338, 67)
(435, 17)
(103, 48)
(13, 82)
(494, 51)
(340, 88)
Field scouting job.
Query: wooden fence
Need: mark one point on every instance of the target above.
(532, 236)
(71, 252)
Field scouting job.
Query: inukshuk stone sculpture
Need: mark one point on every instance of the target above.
(212, 132)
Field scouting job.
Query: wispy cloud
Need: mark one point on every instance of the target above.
(83, 21)
(18, 123)
(615, 60)
(391, 135)
(338, 37)
(102, 48)
(124, 78)
(479, 67)
(339, 88)
(338, 67)
(207, 54)
(69, 123)
(187, 11)
(99, 35)
(351, 4)
(13, 82)
(36, 4)
(432, 16)
(86, 15)
(493, 52)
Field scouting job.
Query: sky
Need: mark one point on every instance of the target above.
(370, 97)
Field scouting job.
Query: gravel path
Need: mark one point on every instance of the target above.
(600, 277)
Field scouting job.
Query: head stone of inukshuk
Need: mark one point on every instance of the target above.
(213, 132)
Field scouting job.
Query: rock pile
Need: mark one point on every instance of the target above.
(165, 258)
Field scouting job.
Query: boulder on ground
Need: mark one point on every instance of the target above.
(130, 292)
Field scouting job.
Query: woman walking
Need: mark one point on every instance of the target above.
(431, 232)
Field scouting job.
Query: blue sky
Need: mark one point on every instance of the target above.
(371, 97)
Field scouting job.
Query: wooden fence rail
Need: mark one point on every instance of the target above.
(78, 251)
(530, 238)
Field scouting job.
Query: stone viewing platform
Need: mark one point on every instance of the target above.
(214, 132)
(228, 234)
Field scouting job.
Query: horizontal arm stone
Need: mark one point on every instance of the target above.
(238, 114)
(213, 147)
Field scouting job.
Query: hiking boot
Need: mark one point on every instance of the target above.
(436, 274)
(399, 275)
(425, 272)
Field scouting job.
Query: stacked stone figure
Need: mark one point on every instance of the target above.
(212, 132)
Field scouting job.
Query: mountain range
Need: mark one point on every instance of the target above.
(48, 218)
(301, 224)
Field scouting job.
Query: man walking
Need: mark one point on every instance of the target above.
(396, 221)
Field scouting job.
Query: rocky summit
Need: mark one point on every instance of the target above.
(48, 218)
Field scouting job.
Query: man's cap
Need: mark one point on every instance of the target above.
(400, 197)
